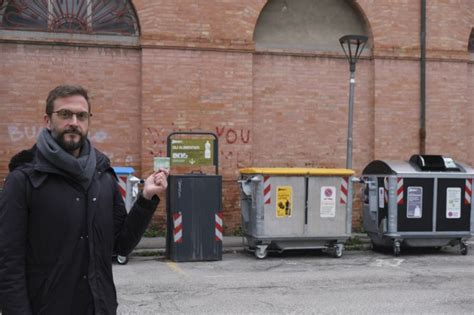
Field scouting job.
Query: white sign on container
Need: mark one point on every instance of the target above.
(328, 202)
(453, 202)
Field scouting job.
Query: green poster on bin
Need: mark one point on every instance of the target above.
(192, 152)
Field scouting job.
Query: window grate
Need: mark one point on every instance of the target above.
(73, 16)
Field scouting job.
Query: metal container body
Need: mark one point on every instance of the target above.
(288, 209)
(194, 218)
(417, 208)
(328, 207)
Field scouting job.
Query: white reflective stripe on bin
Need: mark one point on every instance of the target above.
(122, 182)
(178, 227)
(344, 184)
(468, 192)
(399, 191)
(267, 190)
(219, 227)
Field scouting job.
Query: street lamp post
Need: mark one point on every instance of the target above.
(352, 45)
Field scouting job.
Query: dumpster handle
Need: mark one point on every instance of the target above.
(216, 144)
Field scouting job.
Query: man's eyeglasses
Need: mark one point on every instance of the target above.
(66, 114)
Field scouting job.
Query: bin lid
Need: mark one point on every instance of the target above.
(121, 170)
(297, 171)
(411, 169)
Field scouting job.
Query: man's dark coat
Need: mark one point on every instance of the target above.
(57, 240)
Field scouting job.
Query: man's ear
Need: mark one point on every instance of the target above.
(47, 121)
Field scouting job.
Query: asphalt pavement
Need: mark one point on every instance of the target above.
(419, 281)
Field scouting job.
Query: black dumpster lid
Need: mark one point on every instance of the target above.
(378, 167)
(419, 166)
(434, 163)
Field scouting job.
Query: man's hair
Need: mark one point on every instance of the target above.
(65, 91)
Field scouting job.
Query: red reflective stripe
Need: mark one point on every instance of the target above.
(267, 189)
(400, 191)
(219, 228)
(177, 228)
(122, 191)
(344, 190)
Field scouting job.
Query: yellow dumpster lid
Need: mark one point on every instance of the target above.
(297, 171)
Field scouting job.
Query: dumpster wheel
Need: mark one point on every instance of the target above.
(375, 247)
(463, 247)
(338, 249)
(122, 260)
(396, 248)
(261, 251)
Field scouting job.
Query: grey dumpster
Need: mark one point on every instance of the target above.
(423, 202)
(128, 186)
(295, 208)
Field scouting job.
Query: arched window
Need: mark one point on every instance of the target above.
(73, 16)
(307, 25)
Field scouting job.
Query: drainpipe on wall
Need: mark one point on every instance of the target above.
(423, 78)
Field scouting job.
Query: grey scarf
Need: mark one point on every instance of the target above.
(81, 169)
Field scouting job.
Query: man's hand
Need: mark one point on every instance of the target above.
(155, 183)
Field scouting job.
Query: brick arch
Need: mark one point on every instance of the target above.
(113, 17)
(308, 25)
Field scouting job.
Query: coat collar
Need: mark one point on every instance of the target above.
(33, 164)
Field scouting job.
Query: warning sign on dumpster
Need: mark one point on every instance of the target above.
(284, 202)
(453, 203)
(328, 202)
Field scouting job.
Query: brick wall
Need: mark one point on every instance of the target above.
(200, 91)
(112, 76)
(196, 69)
(302, 121)
(396, 108)
(449, 115)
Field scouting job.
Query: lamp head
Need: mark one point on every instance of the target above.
(353, 45)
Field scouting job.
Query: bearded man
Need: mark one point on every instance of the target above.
(62, 217)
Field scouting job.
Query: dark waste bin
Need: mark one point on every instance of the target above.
(423, 202)
(194, 207)
(195, 218)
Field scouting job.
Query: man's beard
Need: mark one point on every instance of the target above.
(70, 146)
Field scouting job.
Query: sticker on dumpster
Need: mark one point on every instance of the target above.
(414, 202)
(328, 202)
(284, 202)
(192, 152)
(453, 203)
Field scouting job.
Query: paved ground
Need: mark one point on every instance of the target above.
(361, 282)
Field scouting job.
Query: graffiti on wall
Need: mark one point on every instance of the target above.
(19, 132)
(232, 136)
